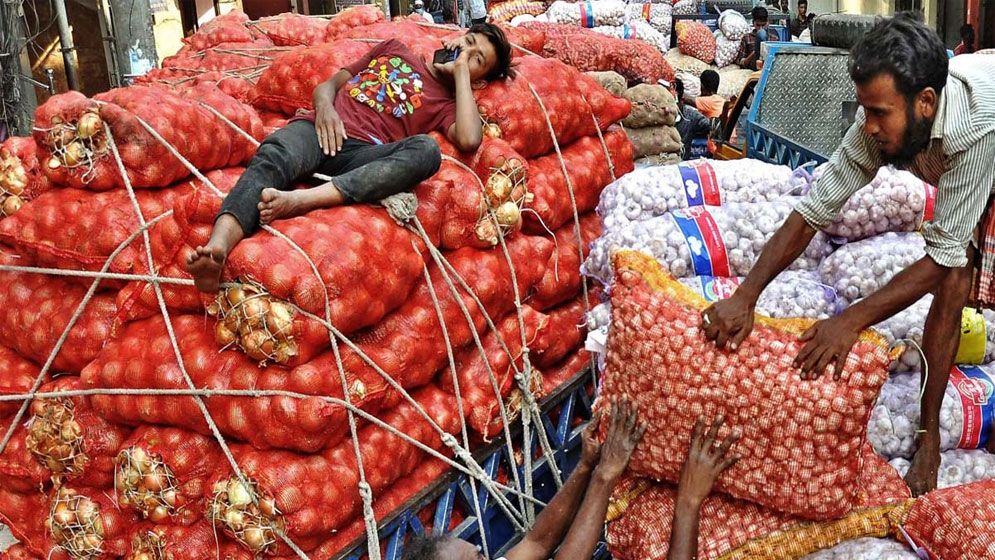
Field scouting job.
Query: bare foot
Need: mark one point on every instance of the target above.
(205, 265)
(276, 205)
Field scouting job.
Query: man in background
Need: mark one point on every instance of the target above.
(419, 9)
(749, 46)
(802, 21)
(966, 45)
(710, 103)
(690, 123)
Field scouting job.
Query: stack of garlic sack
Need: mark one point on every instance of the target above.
(650, 125)
(732, 28)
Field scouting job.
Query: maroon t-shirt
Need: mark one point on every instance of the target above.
(392, 96)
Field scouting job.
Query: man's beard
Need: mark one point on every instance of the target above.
(917, 135)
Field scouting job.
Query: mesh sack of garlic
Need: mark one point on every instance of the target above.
(859, 269)
(659, 16)
(867, 548)
(733, 25)
(637, 29)
(967, 413)
(700, 241)
(977, 342)
(725, 50)
(957, 466)
(894, 200)
(686, 7)
(588, 14)
(654, 191)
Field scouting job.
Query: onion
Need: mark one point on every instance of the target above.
(153, 482)
(223, 335)
(254, 310)
(12, 204)
(89, 125)
(499, 188)
(142, 556)
(62, 515)
(254, 537)
(238, 494)
(15, 183)
(492, 130)
(74, 154)
(257, 345)
(268, 507)
(70, 431)
(280, 320)
(508, 214)
(54, 163)
(159, 514)
(284, 351)
(486, 232)
(169, 496)
(92, 541)
(235, 295)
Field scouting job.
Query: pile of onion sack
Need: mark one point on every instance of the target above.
(435, 318)
(821, 461)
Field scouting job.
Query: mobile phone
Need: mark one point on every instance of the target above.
(444, 56)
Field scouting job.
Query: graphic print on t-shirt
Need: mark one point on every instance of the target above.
(388, 84)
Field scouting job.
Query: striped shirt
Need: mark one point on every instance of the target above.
(959, 160)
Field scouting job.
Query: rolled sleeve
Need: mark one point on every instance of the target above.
(961, 198)
(851, 167)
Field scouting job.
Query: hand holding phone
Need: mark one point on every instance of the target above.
(445, 56)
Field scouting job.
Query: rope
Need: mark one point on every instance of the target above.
(573, 205)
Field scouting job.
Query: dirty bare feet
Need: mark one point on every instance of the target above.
(277, 205)
(205, 265)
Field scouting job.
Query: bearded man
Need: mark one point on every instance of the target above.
(936, 118)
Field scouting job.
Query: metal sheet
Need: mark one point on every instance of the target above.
(805, 97)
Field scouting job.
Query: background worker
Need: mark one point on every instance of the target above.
(710, 103)
(939, 125)
(690, 123)
(569, 527)
(801, 21)
(966, 45)
(749, 46)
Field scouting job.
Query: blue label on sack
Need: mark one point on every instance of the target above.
(628, 32)
(587, 14)
(716, 288)
(977, 396)
(708, 251)
(701, 186)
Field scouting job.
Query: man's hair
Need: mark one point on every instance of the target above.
(502, 49)
(803, 2)
(423, 547)
(710, 81)
(904, 48)
(759, 14)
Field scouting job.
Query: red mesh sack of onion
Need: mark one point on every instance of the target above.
(801, 440)
(695, 39)
(955, 523)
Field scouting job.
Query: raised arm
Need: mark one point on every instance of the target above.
(624, 433)
(852, 166)
(701, 469)
(466, 133)
(554, 520)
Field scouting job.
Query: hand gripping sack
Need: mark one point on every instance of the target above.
(162, 473)
(956, 523)
(143, 358)
(286, 86)
(514, 108)
(562, 280)
(658, 356)
(37, 311)
(480, 403)
(791, 294)
(589, 169)
(311, 496)
(70, 131)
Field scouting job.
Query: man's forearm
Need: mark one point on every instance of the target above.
(684, 530)
(468, 129)
(788, 242)
(325, 91)
(906, 288)
(554, 520)
(585, 531)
